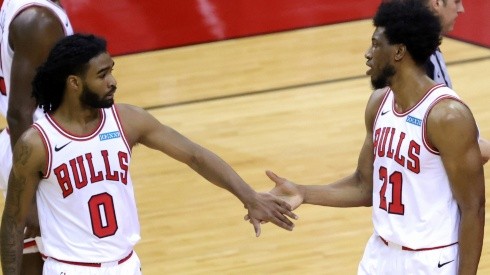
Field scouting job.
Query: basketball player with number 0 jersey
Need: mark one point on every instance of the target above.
(75, 161)
(30, 28)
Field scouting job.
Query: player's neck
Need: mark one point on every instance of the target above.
(77, 120)
(409, 87)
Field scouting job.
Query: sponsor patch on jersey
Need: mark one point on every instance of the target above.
(414, 120)
(110, 135)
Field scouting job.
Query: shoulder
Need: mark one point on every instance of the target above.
(448, 111)
(128, 108)
(447, 106)
(377, 97)
(33, 16)
(130, 113)
(36, 23)
(31, 138)
(450, 119)
(30, 149)
(135, 121)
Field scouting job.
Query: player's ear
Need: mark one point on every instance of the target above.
(435, 4)
(74, 82)
(400, 52)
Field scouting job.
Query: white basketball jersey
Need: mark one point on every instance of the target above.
(86, 205)
(413, 205)
(10, 9)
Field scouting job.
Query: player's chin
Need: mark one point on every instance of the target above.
(107, 103)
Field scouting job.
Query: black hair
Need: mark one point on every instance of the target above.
(411, 23)
(70, 56)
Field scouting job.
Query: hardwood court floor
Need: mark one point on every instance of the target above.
(291, 102)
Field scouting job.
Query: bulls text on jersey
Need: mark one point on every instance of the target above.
(388, 143)
(81, 169)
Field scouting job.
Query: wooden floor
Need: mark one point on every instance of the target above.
(291, 102)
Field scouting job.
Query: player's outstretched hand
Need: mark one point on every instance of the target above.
(286, 190)
(268, 208)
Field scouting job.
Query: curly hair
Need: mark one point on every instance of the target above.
(411, 23)
(70, 56)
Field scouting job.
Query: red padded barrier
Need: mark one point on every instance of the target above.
(142, 25)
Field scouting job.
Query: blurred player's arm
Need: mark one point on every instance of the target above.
(452, 130)
(141, 127)
(485, 149)
(32, 35)
(28, 162)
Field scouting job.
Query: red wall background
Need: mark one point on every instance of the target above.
(134, 26)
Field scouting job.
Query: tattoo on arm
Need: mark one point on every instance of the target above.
(25, 153)
(12, 231)
(12, 244)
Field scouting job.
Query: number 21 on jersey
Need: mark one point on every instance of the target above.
(395, 182)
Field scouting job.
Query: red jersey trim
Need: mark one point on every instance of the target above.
(121, 129)
(47, 147)
(29, 244)
(419, 249)
(397, 114)
(89, 264)
(75, 137)
(425, 138)
(380, 107)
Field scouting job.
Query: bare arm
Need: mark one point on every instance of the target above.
(24, 177)
(141, 127)
(32, 35)
(350, 191)
(485, 149)
(452, 129)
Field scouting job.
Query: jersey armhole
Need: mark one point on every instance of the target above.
(387, 92)
(47, 147)
(119, 125)
(428, 145)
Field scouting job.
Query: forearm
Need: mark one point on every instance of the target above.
(12, 235)
(218, 172)
(18, 121)
(471, 240)
(350, 191)
(484, 149)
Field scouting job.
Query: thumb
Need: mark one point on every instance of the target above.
(275, 178)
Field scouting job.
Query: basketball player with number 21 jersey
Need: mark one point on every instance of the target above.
(30, 28)
(420, 167)
(75, 161)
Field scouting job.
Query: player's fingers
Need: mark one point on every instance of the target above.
(275, 178)
(283, 224)
(256, 225)
(290, 214)
(282, 221)
(286, 209)
(247, 218)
